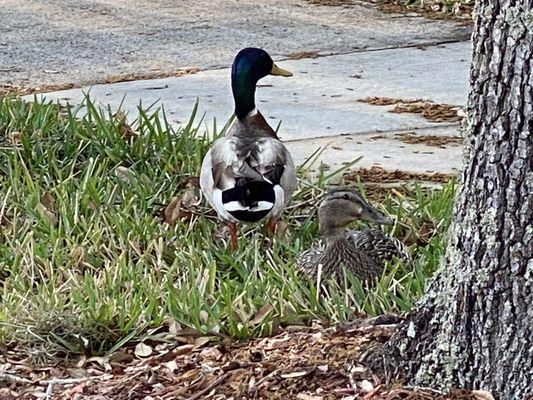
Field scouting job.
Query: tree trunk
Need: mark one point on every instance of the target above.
(474, 326)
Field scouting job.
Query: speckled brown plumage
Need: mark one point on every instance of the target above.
(363, 253)
(380, 246)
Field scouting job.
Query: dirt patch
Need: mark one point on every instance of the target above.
(6, 90)
(303, 54)
(316, 364)
(433, 112)
(429, 140)
(380, 175)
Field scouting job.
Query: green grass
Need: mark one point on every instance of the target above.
(87, 261)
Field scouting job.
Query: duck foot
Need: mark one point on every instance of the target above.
(271, 227)
(234, 244)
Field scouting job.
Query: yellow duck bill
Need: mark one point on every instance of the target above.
(279, 71)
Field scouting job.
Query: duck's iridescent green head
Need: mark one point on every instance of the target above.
(250, 65)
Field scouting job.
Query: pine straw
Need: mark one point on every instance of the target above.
(7, 89)
(433, 112)
(429, 140)
(459, 11)
(316, 364)
(302, 54)
(380, 175)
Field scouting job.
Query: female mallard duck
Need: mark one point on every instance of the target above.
(248, 175)
(361, 252)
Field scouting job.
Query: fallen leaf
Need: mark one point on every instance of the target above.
(323, 368)
(16, 138)
(295, 374)
(366, 385)
(261, 314)
(124, 173)
(303, 396)
(48, 201)
(211, 353)
(482, 395)
(47, 207)
(142, 350)
(189, 199)
(173, 211)
(199, 342)
(125, 130)
(172, 366)
(302, 54)
(203, 316)
(188, 376)
(173, 326)
(385, 101)
(122, 357)
(281, 229)
(186, 348)
(103, 361)
(47, 214)
(429, 140)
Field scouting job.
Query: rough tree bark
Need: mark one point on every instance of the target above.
(474, 326)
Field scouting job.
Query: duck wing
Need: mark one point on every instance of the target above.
(334, 256)
(308, 262)
(380, 246)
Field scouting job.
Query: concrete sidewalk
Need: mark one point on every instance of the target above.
(318, 107)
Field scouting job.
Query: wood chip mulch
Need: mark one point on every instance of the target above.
(315, 364)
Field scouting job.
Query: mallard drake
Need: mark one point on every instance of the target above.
(361, 252)
(248, 175)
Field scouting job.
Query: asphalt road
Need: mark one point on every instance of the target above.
(48, 42)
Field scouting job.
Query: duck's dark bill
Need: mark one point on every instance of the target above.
(249, 202)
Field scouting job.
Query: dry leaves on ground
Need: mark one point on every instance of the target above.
(125, 129)
(432, 112)
(6, 89)
(149, 75)
(459, 11)
(385, 101)
(302, 54)
(184, 206)
(380, 175)
(429, 140)
(330, 2)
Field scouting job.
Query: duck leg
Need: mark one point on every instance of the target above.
(271, 227)
(233, 235)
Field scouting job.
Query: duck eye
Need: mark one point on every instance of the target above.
(345, 197)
